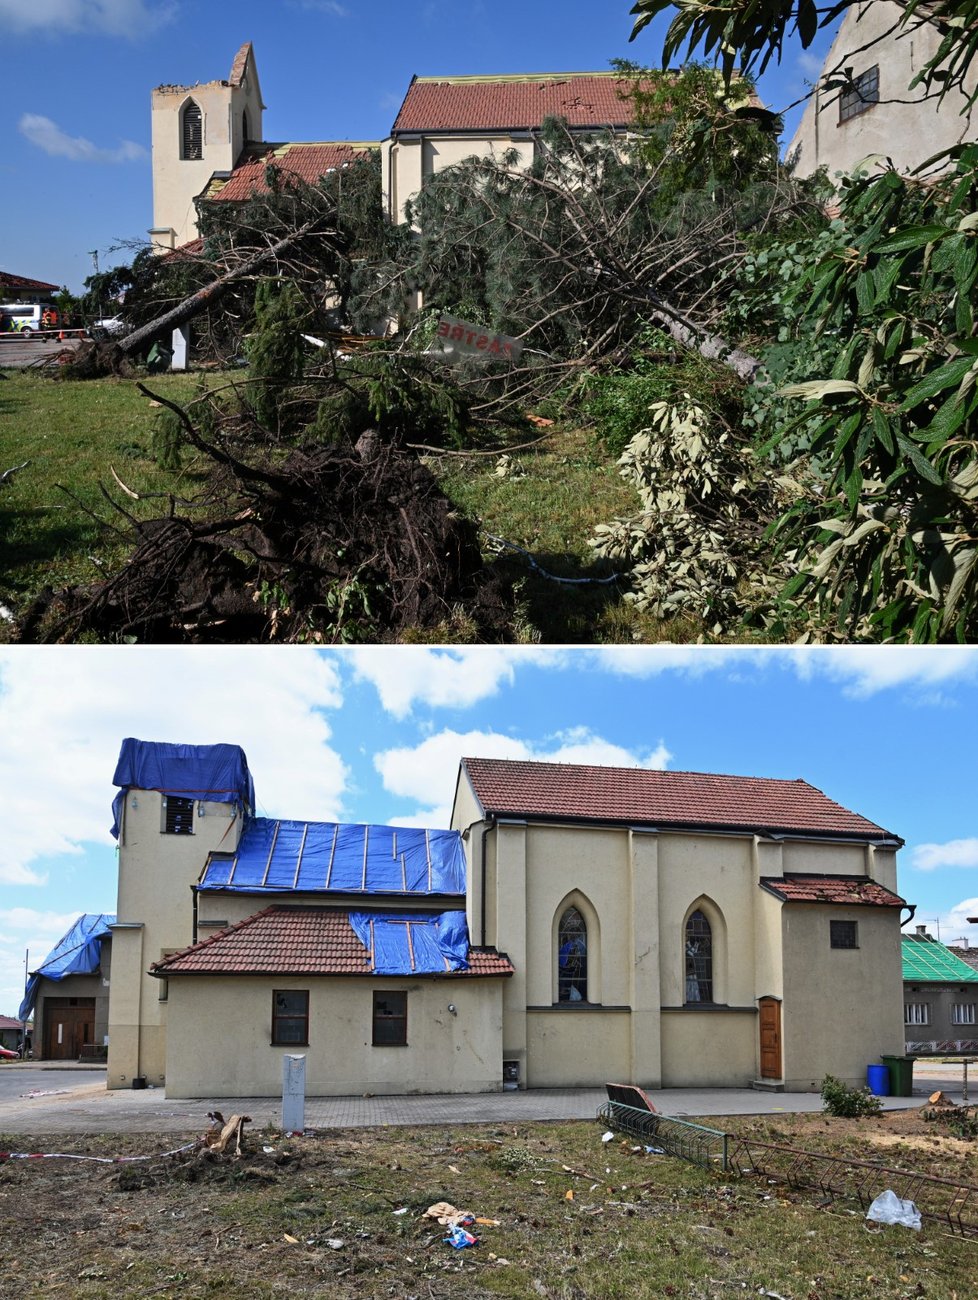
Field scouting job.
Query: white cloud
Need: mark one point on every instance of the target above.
(128, 18)
(64, 711)
(322, 6)
(810, 65)
(867, 670)
(860, 670)
(955, 853)
(951, 925)
(441, 678)
(423, 772)
(49, 137)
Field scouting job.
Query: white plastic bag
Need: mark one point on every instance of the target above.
(888, 1208)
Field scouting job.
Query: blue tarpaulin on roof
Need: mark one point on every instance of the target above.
(216, 773)
(79, 952)
(406, 943)
(275, 856)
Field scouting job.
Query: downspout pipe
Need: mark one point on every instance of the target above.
(487, 825)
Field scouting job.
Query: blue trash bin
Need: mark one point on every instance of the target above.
(878, 1080)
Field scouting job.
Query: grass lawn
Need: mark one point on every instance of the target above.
(72, 435)
(341, 1213)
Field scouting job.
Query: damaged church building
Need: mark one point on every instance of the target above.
(575, 924)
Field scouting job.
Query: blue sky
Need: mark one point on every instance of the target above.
(376, 734)
(77, 77)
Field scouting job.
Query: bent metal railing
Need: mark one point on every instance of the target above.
(941, 1201)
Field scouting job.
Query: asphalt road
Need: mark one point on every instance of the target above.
(16, 1080)
(17, 353)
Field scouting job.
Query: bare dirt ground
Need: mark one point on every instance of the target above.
(564, 1215)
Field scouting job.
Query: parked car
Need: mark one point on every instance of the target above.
(106, 326)
(6, 1054)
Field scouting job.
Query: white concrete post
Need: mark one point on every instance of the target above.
(294, 1094)
(181, 346)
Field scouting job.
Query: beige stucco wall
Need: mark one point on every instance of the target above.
(709, 1049)
(177, 181)
(908, 133)
(154, 915)
(842, 1007)
(407, 163)
(569, 1047)
(220, 1029)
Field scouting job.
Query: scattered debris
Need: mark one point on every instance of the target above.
(220, 1137)
(890, 1208)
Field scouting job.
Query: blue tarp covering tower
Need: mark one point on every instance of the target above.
(331, 857)
(79, 952)
(216, 773)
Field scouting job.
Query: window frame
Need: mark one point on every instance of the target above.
(575, 978)
(916, 1013)
(860, 94)
(695, 962)
(391, 1019)
(835, 930)
(279, 1018)
(191, 150)
(963, 1013)
(175, 808)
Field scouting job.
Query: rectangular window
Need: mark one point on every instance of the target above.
(916, 1013)
(844, 934)
(390, 1020)
(963, 1013)
(178, 815)
(860, 94)
(290, 1017)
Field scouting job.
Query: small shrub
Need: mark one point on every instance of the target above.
(844, 1102)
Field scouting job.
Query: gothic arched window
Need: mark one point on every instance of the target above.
(572, 957)
(191, 131)
(699, 959)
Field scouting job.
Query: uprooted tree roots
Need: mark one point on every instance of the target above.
(334, 543)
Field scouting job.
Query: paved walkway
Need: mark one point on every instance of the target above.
(84, 1105)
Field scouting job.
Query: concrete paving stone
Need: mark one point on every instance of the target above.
(82, 1104)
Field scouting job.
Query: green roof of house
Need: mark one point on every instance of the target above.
(925, 959)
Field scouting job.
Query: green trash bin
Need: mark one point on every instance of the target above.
(901, 1075)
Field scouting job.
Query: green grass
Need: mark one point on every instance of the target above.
(72, 435)
(316, 1216)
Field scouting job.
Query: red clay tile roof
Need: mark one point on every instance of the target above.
(637, 796)
(306, 161)
(585, 99)
(848, 891)
(17, 282)
(298, 941)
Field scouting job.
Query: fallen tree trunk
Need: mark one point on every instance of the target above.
(210, 294)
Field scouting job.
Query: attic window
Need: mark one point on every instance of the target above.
(860, 94)
(178, 815)
(191, 132)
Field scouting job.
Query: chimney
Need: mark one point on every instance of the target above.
(922, 932)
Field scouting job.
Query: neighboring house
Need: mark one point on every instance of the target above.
(961, 948)
(876, 112)
(940, 997)
(576, 924)
(18, 288)
(11, 1031)
(722, 925)
(68, 994)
